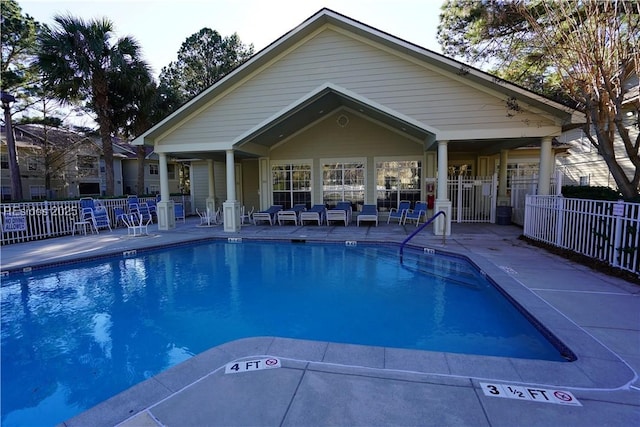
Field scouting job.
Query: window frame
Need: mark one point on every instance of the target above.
(346, 195)
(400, 192)
(296, 194)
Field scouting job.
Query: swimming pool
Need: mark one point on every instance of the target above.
(75, 336)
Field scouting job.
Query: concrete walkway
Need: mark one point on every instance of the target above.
(322, 383)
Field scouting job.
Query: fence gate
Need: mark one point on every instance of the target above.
(473, 199)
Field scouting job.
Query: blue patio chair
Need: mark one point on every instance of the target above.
(399, 212)
(119, 216)
(94, 211)
(132, 203)
(178, 210)
(418, 212)
(141, 210)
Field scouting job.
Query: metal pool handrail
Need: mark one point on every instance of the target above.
(419, 229)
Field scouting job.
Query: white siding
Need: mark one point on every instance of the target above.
(432, 98)
(327, 139)
(200, 183)
(583, 160)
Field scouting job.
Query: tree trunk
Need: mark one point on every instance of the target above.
(605, 143)
(107, 153)
(101, 99)
(14, 168)
(140, 151)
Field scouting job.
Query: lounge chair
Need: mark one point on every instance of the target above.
(292, 214)
(316, 213)
(268, 215)
(342, 212)
(399, 212)
(368, 213)
(419, 211)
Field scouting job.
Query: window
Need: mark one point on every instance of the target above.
(4, 161)
(343, 181)
(291, 184)
(32, 164)
(87, 167)
(6, 193)
(153, 170)
(397, 180)
(465, 170)
(171, 171)
(37, 192)
(519, 172)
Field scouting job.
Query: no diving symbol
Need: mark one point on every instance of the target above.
(565, 397)
(271, 362)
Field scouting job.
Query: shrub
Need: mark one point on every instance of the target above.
(591, 193)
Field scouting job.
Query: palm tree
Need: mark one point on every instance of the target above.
(77, 58)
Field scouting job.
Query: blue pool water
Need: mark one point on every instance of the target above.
(76, 336)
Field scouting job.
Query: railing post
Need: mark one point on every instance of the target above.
(47, 219)
(560, 221)
(618, 213)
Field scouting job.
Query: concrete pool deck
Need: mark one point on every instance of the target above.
(321, 383)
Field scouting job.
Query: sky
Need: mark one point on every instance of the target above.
(161, 26)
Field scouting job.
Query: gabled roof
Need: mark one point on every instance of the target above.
(325, 17)
(322, 100)
(39, 134)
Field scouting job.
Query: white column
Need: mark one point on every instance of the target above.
(164, 209)
(443, 169)
(231, 177)
(442, 225)
(544, 177)
(211, 198)
(231, 207)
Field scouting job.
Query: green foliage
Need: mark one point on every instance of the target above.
(590, 193)
(18, 38)
(54, 122)
(494, 35)
(81, 61)
(580, 52)
(203, 59)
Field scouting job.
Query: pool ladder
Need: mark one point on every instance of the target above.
(419, 229)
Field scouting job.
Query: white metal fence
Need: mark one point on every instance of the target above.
(42, 220)
(607, 231)
(472, 198)
(523, 186)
